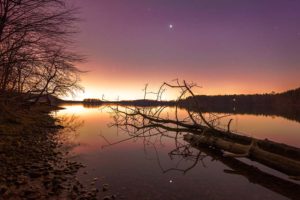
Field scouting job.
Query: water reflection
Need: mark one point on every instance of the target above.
(144, 123)
(255, 175)
(68, 134)
(289, 111)
(166, 167)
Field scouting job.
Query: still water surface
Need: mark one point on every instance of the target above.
(136, 170)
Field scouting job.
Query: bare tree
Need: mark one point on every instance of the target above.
(35, 41)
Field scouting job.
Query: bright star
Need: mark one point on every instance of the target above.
(170, 26)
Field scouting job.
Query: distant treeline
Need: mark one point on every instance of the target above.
(285, 104)
(91, 102)
(146, 103)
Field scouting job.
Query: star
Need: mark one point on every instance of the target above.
(171, 26)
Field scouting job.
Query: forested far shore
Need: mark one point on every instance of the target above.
(288, 98)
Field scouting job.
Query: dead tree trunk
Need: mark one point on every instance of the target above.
(280, 157)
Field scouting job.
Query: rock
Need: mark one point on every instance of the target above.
(3, 189)
(34, 174)
(28, 193)
(75, 188)
(95, 190)
(107, 198)
(105, 187)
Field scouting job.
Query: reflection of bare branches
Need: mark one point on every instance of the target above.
(152, 137)
(67, 135)
(70, 123)
(186, 153)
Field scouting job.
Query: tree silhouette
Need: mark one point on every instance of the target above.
(35, 41)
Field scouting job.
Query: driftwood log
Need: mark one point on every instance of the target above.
(281, 157)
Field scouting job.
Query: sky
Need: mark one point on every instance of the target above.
(225, 46)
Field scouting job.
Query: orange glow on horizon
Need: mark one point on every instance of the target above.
(114, 90)
(109, 83)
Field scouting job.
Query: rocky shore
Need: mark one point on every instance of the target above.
(33, 162)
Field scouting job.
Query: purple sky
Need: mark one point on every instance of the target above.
(226, 46)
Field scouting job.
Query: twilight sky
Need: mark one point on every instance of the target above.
(226, 46)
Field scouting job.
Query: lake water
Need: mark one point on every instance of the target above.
(139, 169)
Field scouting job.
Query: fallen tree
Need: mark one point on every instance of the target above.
(263, 151)
(202, 129)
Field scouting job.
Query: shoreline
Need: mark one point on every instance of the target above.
(34, 164)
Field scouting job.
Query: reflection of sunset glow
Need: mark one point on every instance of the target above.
(96, 121)
(74, 109)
